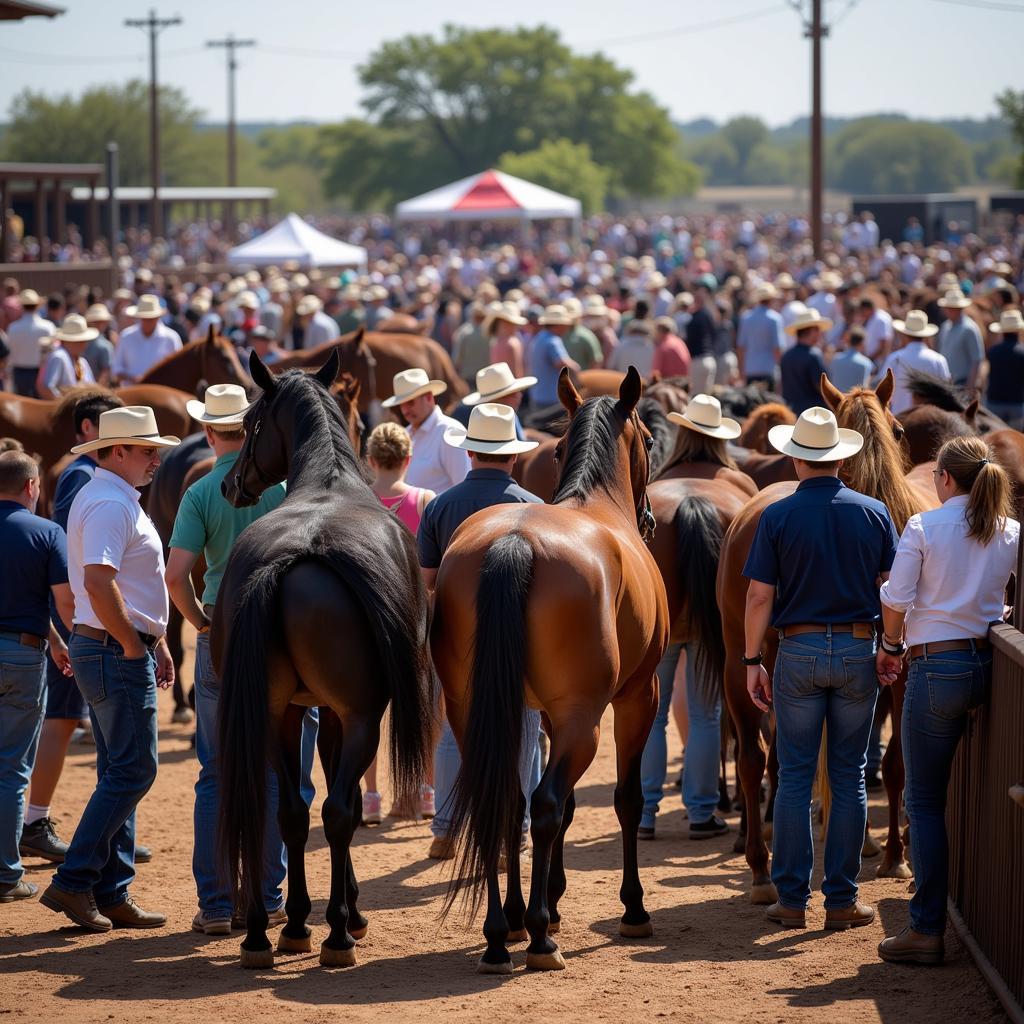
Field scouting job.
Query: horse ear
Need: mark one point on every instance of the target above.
(630, 390)
(328, 373)
(971, 415)
(885, 388)
(567, 393)
(830, 393)
(211, 334)
(261, 376)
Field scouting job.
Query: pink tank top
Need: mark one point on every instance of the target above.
(406, 507)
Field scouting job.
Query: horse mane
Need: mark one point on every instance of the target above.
(931, 390)
(589, 460)
(72, 396)
(653, 417)
(760, 421)
(878, 469)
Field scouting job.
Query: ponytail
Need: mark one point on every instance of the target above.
(971, 464)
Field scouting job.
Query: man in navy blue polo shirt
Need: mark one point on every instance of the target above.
(814, 569)
(35, 566)
(802, 366)
(490, 440)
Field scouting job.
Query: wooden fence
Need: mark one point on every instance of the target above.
(53, 277)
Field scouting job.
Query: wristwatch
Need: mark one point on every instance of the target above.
(897, 649)
(757, 659)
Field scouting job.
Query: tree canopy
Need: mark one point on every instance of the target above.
(564, 166)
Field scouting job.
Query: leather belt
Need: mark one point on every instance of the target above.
(108, 638)
(860, 630)
(25, 639)
(941, 646)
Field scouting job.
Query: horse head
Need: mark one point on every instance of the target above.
(359, 362)
(842, 404)
(346, 393)
(220, 363)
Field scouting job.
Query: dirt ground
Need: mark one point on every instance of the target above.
(712, 957)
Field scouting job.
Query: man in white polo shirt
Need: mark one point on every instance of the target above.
(26, 337)
(143, 345)
(119, 656)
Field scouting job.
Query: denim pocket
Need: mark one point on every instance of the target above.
(860, 680)
(794, 673)
(953, 694)
(89, 676)
(21, 684)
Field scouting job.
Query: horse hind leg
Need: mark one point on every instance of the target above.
(514, 907)
(496, 958)
(556, 879)
(893, 863)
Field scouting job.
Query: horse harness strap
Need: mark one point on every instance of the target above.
(859, 630)
(942, 646)
(108, 638)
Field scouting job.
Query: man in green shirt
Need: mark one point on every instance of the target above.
(350, 315)
(580, 342)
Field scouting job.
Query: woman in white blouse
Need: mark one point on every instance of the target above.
(947, 585)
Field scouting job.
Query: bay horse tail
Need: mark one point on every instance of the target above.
(486, 802)
(699, 533)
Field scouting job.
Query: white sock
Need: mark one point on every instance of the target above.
(35, 812)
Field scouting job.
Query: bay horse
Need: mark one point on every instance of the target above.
(514, 585)
(322, 604)
(197, 365)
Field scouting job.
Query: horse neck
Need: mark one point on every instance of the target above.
(315, 463)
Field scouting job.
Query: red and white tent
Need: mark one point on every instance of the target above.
(490, 195)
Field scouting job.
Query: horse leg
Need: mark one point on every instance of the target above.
(357, 923)
(893, 863)
(773, 787)
(556, 880)
(514, 908)
(496, 959)
(293, 820)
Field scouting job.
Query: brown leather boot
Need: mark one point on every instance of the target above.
(79, 906)
(130, 915)
(854, 916)
(910, 947)
(788, 917)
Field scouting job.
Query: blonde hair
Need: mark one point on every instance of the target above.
(389, 445)
(971, 463)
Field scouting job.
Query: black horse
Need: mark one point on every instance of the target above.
(323, 605)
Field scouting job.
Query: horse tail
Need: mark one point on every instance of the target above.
(486, 802)
(699, 535)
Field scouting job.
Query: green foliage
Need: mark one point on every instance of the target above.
(564, 166)
(745, 134)
(1011, 106)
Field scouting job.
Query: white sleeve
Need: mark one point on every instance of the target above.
(107, 529)
(900, 589)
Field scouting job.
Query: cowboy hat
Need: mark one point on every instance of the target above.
(98, 313)
(828, 279)
(352, 292)
(147, 308)
(555, 314)
(410, 384)
(765, 292)
(247, 300)
(816, 437)
(594, 305)
(682, 301)
(507, 311)
(496, 381)
(1010, 322)
(223, 405)
(954, 299)
(656, 281)
(916, 325)
(785, 283)
(491, 431)
(75, 329)
(573, 307)
(308, 305)
(808, 317)
(131, 424)
(377, 293)
(704, 414)
(28, 297)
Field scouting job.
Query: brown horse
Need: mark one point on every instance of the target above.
(211, 360)
(518, 580)
(756, 426)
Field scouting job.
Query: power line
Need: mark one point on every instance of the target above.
(290, 51)
(702, 26)
(986, 5)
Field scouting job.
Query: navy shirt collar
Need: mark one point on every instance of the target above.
(488, 474)
(10, 506)
(821, 481)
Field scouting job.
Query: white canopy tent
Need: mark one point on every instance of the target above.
(294, 239)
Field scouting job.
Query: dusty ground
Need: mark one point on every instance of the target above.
(712, 957)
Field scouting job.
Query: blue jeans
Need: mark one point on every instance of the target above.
(941, 691)
(821, 678)
(448, 761)
(703, 744)
(22, 703)
(121, 693)
(215, 898)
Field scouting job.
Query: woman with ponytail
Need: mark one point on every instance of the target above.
(947, 586)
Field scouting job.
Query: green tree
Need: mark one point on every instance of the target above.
(1011, 106)
(565, 167)
(768, 164)
(716, 156)
(745, 134)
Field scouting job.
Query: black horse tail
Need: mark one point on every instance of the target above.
(699, 545)
(487, 808)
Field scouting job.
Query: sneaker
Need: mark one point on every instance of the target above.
(143, 854)
(427, 808)
(19, 891)
(714, 826)
(182, 716)
(40, 839)
(274, 917)
(371, 808)
(211, 924)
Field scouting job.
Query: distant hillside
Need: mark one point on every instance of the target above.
(252, 129)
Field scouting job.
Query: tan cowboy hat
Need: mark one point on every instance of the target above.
(496, 381)
(916, 325)
(1010, 322)
(75, 329)
(556, 314)
(785, 283)
(656, 281)
(308, 305)
(98, 314)
(410, 384)
(132, 424)
(507, 311)
(704, 414)
(947, 281)
(828, 279)
(247, 300)
(147, 308)
(682, 301)
(1003, 269)
(377, 293)
(223, 405)
(954, 299)
(573, 307)
(594, 305)
(491, 431)
(808, 317)
(765, 292)
(352, 293)
(816, 437)
(28, 297)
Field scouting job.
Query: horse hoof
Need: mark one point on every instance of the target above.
(545, 961)
(288, 944)
(768, 831)
(359, 933)
(740, 846)
(889, 870)
(483, 967)
(337, 957)
(636, 931)
(519, 935)
(253, 959)
(554, 927)
(763, 894)
(871, 847)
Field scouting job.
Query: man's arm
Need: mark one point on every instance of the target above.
(760, 600)
(108, 604)
(180, 564)
(64, 599)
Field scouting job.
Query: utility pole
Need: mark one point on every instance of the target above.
(817, 31)
(153, 25)
(230, 44)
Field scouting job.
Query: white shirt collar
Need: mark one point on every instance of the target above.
(122, 485)
(432, 421)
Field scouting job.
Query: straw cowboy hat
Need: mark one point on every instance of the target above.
(224, 405)
(75, 329)
(683, 301)
(556, 315)
(785, 283)
(496, 381)
(491, 431)
(704, 414)
(1010, 322)
(809, 317)
(377, 293)
(765, 292)
(308, 305)
(132, 424)
(954, 299)
(656, 281)
(98, 314)
(916, 325)
(410, 384)
(507, 311)
(247, 300)
(594, 305)
(28, 297)
(827, 280)
(816, 437)
(147, 308)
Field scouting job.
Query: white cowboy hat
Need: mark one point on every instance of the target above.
(704, 414)
(507, 311)
(410, 384)
(377, 293)
(594, 305)
(765, 292)
(247, 300)
(916, 325)
(491, 431)
(556, 314)
(785, 283)
(573, 307)
(224, 405)
(75, 328)
(28, 297)
(828, 279)
(816, 437)
(308, 304)
(147, 308)
(131, 424)
(808, 317)
(954, 299)
(496, 381)
(656, 281)
(98, 313)
(1010, 322)
(352, 292)
(682, 301)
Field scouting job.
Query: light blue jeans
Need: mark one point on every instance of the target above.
(22, 704)
(447, 762)
(703, 744)
(821, 678)
(215, 898)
